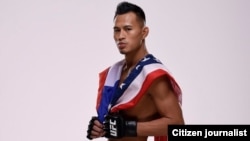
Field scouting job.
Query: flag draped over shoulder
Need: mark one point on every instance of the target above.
(113, 98)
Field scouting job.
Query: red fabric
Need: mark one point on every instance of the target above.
(102, 78)
(161, 138)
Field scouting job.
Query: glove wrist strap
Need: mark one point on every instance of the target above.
(131, 128)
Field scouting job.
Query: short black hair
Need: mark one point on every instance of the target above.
(125, 7)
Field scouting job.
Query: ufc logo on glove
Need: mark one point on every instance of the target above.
(113, 129)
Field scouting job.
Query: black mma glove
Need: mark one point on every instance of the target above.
(90, 127)
(116, 127)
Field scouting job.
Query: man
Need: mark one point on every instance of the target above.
(137, 97)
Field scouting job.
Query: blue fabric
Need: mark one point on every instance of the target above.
(107, 96)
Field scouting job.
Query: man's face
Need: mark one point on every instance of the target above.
(128, 32)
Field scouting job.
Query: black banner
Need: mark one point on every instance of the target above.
(208, 132)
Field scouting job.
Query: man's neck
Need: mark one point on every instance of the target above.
(132, 59)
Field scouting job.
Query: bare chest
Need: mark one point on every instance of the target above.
(144, 110)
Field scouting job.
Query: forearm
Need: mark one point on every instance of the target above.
(157, 127)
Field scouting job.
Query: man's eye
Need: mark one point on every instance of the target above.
(116, 30)
(128, 29)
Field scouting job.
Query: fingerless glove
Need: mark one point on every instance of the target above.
(116, 127)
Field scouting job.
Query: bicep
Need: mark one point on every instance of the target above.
(165, 100)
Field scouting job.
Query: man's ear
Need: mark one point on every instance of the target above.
(145, 32)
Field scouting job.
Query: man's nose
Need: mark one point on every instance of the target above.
(121, 35)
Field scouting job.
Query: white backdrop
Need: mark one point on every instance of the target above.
(51, 52)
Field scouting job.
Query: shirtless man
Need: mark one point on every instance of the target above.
(159, 103)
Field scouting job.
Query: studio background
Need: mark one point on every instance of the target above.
(51, 52)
